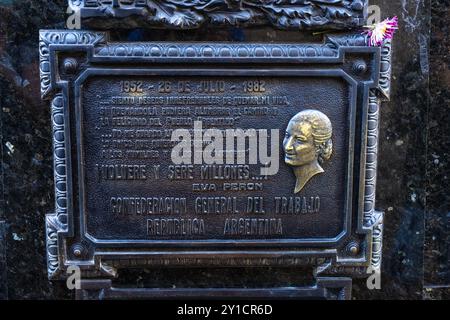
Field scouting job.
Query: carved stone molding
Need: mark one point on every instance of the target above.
(190, 14)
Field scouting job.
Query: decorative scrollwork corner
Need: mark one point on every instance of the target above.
(377, 242)
(60, 37)
(51, 232)
(386, 69)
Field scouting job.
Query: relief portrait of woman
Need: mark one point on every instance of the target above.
(308, 145)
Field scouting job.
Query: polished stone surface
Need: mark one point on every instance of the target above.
(3, 278)
(27, 148)
(437, 250)
(412, 185)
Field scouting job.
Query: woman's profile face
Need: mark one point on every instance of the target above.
(298, 144)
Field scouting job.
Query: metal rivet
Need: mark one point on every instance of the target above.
(353, 248)
(359, 67)
(78, 250)
(70, 65)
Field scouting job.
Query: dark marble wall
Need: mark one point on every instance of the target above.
(402, 154)
(412, 183)
(27, 149)
(3, 278)
(436, 253)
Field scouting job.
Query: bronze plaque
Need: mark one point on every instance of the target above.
(148, 168)
(131, 190)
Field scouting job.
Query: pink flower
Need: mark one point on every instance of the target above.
(381, 31)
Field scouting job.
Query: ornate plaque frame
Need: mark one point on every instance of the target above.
(68, 57)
